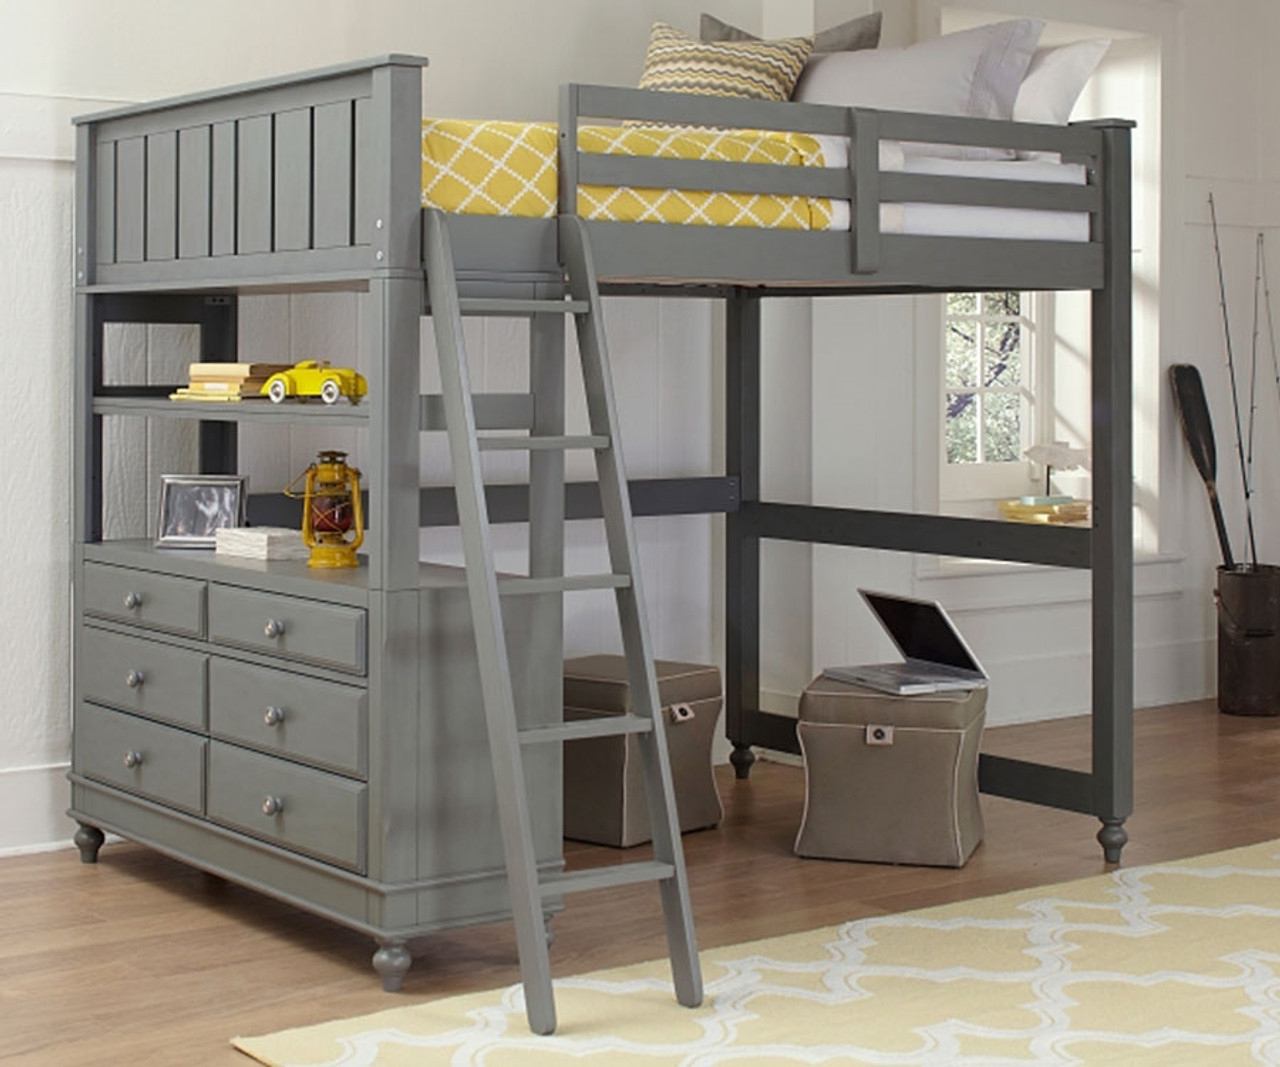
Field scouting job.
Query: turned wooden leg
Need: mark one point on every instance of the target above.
(392, 962)
(1112, 837)
(742, 758)
(550, 930)
(88, 840)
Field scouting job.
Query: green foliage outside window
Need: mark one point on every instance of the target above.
(983, 377)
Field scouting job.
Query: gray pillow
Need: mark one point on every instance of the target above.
(851, 36)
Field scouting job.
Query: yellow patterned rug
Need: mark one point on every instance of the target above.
(1176, 963)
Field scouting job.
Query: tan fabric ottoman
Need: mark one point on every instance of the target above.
(890, 779)
(604, 799)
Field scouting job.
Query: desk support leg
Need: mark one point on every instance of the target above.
(742, 540)
(1112, 535)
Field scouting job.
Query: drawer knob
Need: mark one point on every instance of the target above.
(133, 758)
(274, 716)
(274, 628)
(132, 600)
(272, 805)
(134, 679)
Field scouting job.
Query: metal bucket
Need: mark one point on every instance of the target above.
(1248, 602)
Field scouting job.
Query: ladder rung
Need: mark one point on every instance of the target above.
(554, 885)
(582, 729)
(542, 444)
(566, 583)
(501, 306)
(494, 411)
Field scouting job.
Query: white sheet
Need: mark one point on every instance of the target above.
(963, 220)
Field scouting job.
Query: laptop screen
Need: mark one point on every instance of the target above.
(921, 630)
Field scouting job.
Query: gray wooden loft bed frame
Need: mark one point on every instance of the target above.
(313, 182)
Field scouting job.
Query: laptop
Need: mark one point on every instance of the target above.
(937, 660)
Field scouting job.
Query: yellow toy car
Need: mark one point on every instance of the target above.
(315, 377)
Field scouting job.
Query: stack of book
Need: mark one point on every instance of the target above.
(260, 542)
(227, 381)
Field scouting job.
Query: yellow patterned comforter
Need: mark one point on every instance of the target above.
(509, 168)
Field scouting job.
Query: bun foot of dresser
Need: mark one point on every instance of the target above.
(88, 840)
(392, 961)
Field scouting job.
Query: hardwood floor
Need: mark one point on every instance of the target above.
(140, 960)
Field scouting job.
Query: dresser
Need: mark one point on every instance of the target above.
(236, 715)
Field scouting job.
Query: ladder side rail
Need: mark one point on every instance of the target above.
(495, 675)
(616, 505)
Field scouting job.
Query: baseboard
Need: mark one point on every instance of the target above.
(33, 806)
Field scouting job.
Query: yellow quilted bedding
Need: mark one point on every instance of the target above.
(482, 167)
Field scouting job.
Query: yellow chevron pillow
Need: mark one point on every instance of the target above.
(757, 70)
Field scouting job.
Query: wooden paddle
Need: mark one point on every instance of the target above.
(1197, 427)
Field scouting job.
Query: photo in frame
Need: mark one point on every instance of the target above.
(193, 507)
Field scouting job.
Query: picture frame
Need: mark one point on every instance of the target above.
(193, 507)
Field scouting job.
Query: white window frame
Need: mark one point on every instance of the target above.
(986, 480)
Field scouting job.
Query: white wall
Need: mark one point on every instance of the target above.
(856, 441)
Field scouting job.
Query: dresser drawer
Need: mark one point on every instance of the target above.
(143, 676)
(297, 807)
(317, 722)
(140, 756)
(160, 601)
(308, 630)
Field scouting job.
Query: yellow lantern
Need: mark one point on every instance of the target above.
(332, 513)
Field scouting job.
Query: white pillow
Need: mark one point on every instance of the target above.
(975, 72)
(1055, 79)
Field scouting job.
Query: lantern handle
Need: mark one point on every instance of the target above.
(358, 507)
(290, 489)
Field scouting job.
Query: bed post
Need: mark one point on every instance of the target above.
(393, 307)
(1112, 535)
(742, 538)
(86, 509)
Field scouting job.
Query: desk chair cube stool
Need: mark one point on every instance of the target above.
(604, 801)
(888, 778)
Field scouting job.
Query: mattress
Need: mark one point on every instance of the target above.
(489, 167)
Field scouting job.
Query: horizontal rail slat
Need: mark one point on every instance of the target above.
(989, 133)
(645, 172)
(948, 535)
(993, 192)
(614, 102)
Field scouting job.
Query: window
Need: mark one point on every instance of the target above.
(1132, 81)
(994, 393)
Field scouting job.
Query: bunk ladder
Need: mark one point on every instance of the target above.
(529, 891)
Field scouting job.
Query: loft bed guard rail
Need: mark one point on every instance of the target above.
(862, 183)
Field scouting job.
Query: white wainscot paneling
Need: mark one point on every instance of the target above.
(35, 435)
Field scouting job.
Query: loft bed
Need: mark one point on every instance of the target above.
(314, 181)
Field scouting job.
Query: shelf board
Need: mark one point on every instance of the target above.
(342, 413)
(294, 577)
